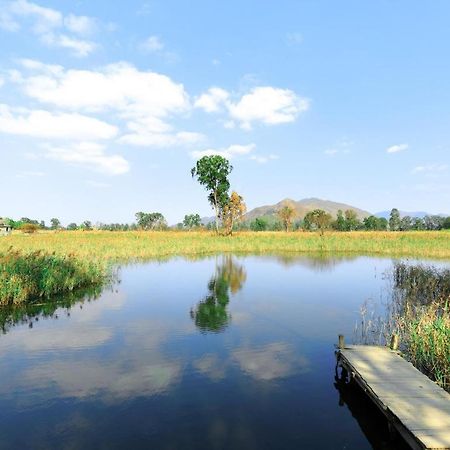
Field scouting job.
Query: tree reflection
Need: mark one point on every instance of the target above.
(210, 314)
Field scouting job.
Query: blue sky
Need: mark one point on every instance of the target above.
(105, 106)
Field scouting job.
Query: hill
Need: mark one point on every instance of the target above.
(302, 207)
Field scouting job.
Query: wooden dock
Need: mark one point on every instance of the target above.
(415, 406)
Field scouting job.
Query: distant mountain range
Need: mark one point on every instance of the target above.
(302, 207)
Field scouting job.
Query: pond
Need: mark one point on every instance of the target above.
(222, 352)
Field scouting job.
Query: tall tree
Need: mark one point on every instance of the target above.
(394, 220)
(233, 212)
(150, 221)
(340, 221)
(55, 223)
(212, 172)
(286, 215)
(191, 221)
(351, 220)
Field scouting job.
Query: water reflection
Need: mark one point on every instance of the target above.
(210, 314)
(32, 313)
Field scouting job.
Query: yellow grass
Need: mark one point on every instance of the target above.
(138, 245)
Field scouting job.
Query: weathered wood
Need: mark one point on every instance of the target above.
(394, 342)
(418, 408)
(341, 343)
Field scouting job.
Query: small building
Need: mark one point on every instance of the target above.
(5, 227)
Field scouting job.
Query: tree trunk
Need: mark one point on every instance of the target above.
(216, 208)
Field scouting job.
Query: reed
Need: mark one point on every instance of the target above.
(30, 277)
(140, 245)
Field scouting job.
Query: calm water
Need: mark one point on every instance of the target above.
(217, 353)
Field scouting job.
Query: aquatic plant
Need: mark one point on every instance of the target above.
(29, 277)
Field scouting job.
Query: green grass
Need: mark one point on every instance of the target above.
(33, 276)
(126, 246)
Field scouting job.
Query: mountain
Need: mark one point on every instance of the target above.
(421, 214)
(302, 207)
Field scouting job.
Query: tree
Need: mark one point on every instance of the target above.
(212, 172)
(55, 223)
(394, 220)
(29, 228)
(233, 211)
(417, 224)
(446, 223)
(86, 225)
(286, 214)
(259, 224)
(191, 221)
(72, 226)
(351, 220)
(373, 223)
(340, 221)
(150, 221)
(317, 219)
(405, 223)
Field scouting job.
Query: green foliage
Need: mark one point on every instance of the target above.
(192, 221)
(27, 277)
(151, 221)
(317, 220)
(446, 223)
(212, 172)
(373, 223)
(352, 222)
(394, 220)
(259, 224)
(55, 224)
(286, 214)
(72, 226)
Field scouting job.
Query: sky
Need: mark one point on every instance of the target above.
(105, 106)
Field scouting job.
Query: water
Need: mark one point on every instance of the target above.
(216, 353)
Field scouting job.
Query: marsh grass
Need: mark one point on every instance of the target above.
(419, 311)
(39, 275)
(141, 245)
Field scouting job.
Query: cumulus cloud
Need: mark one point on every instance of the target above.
(45, 124)
(212, 100)
(264, 104)
(90, 155)
(229, 152)
(397, 148)
(50, 25)
(121, 87)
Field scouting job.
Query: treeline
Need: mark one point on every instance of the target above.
(316, 220)
(320, 220)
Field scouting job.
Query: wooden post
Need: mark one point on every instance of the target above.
(394, 342)
(341, 343)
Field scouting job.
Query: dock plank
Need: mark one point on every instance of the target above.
(414, 404)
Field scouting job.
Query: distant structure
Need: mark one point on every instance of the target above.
(5, 227)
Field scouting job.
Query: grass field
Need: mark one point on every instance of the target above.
(128, 246)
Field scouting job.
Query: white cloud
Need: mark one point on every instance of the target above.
(268, 105)
(82, 25)
(119, 87)
(30, 174)
(397, 148)
(44, 124)
(262, 159)
(229, 152)
(80, 48)
(331, 151)
(430, 168)
(263, 104)
(212, 100)
(91, 155)
(152, 44)
(148, 139)
(47, 24)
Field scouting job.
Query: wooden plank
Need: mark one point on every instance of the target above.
(416, 406)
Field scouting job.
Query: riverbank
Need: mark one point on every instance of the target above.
(141, 245)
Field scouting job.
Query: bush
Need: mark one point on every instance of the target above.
(29, 228)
